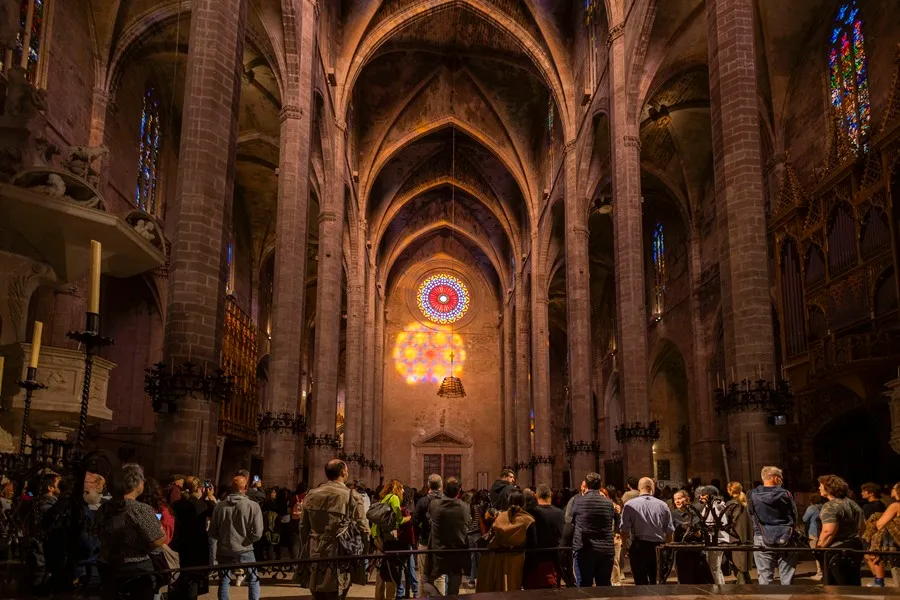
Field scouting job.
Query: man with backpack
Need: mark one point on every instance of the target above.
(773, 513)
(422, 522)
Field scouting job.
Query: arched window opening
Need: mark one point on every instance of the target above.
(29, 39)
(658, 255)
(592, 22)
(145, 195)
(849, 76)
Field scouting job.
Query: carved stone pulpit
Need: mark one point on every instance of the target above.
(55, 410)
(894, 394)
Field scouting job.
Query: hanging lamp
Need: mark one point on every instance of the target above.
(451, 386)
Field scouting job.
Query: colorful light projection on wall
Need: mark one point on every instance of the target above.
(443, 299)
(422, 355)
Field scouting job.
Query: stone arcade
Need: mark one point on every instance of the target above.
(612, 217)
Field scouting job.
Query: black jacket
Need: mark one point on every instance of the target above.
(500, 494)
(449, 524)
(595, 520)
(420, 516)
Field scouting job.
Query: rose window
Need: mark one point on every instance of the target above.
(443, 298)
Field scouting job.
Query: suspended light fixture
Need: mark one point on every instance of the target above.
(452, 387)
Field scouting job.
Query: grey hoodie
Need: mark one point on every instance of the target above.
(236, 523)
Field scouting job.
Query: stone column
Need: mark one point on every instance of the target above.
(540, 377)
(740, 202)
(368, 402)
(578, 316)
(186, 441)
(380, 317)
(291, 227)
(353, 418)
(328, 307)
(523, 379)
(627, 227)
(507, 344)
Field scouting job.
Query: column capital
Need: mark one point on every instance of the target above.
(290, 111)
(100, 96)
(570, 145)
(615, 32)
(341, 124)
(327, 216)
(581, 231)
(632, 141)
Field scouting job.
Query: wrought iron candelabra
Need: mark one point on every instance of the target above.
(636, 430)
(532, 463)
(353, 457)
(322, 441)
(583, 447)
(91, 340)
(758, 396)
(167, 388)
(284, 423)
(30, 385)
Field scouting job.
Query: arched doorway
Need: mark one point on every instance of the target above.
(855, 446)
(668, 405)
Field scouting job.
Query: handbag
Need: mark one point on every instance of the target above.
(165, 560)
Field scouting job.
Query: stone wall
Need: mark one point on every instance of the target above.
(413, 411)
(70, 73)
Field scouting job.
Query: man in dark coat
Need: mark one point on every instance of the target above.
(543, 570)
(449, 523)
(501, 488)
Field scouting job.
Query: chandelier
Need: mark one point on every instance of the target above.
(166, 389)
(757, 396)
(281, 423)
(451, 386)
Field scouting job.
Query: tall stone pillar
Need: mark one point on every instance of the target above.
(368, 402)
(291, 226)
(540, 378)
(353, 417)
(578, 316)
(99, 107)
(523, 379)
(328, 308)
(627, 229)
(740, 202)
(509, 384)
(186, 441)
(378, 411)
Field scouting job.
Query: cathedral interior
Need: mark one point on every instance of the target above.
(638, 237)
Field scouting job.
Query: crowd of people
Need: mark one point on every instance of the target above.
(112, 528)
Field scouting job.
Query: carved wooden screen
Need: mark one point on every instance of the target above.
(876, 233)
(792, 299)
(841, 240)
(239, 357)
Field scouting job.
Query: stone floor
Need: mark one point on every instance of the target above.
(804, 587)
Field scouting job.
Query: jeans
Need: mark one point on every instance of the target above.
(714, 559)
(765, 564)
(593, 567)
(252, 577)
(643, 561)
(409, 574)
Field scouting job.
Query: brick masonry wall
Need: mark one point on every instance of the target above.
(70, 73)
(411, 409)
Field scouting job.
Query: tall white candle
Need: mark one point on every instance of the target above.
(2, 361)
(36, 344)
(94, 292)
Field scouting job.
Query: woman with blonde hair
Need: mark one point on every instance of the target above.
(736, 512)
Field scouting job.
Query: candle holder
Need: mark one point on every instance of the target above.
(543, 460)
(91, 339)
(583, 447)
(284, 422)
(166, 386)
(353, 457)
(630, 432)
(320, 441)
(758, 396)
(30, 385)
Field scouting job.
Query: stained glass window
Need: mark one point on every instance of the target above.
(28, 41)
(443, 299)
(849, 76)
(659, 268)
(148, 153)
(229, 282)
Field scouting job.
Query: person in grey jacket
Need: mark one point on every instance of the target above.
(236, 523)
